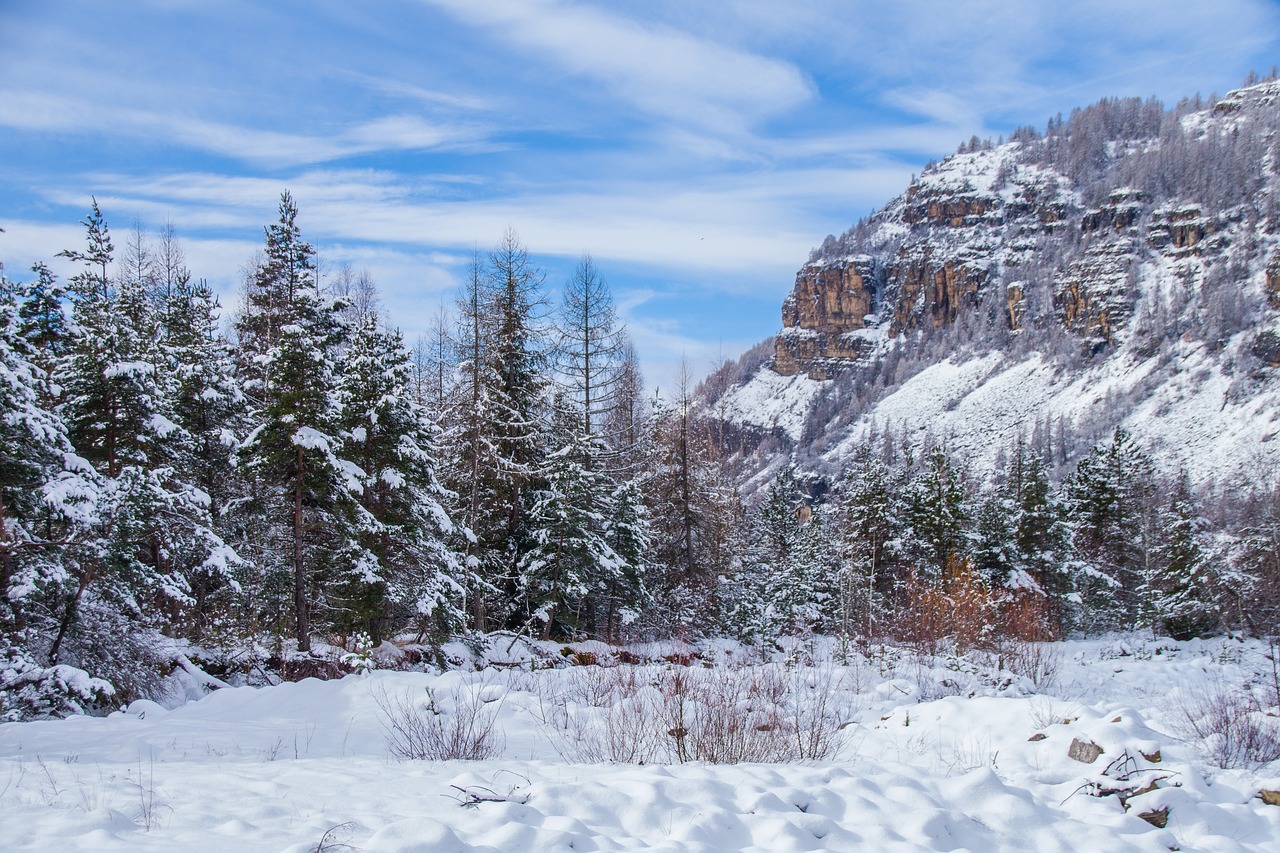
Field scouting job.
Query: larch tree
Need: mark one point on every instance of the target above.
(591, 345)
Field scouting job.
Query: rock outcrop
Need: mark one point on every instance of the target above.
(829, 304)
(1092, 298)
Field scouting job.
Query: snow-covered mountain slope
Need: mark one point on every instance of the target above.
(1120, 270)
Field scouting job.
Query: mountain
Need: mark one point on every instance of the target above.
(1119, 269)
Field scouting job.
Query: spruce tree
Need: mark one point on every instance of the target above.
(406, 571)
(1184, 590)
(303, 487)
(567, 565)
(1107, 498)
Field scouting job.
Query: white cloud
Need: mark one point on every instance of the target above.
(661, 70)
(50, 112)
(764, 221)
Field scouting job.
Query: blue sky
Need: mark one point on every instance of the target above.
(697, 150)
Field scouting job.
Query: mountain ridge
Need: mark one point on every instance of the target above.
(1121, 269)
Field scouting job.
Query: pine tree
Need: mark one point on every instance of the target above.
(208, 408)
(93, 281)
(567, 565)
(994, 550)
(937, 514)
(774, 537)
(48, 498)
(1183, 588)
(626, 594)
(408, 571)
(304, 489)
(47, 494)
(1042, 538)
(1107, 499)
(111, 400)
(151, 532)
(624, 428)
(695, 512)
(493, 433)
(43, 323)
(870, 518)
(471, 455)
(591, 344)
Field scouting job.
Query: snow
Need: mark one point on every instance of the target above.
(162, 426)
(771, 401)
(1190, 417)
(310, 438)
(935, 756)
(129, 368)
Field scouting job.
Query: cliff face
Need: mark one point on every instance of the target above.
(933, 253)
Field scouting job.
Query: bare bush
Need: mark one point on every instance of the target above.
(423, 729)
(618, 725)
(820, 713)
(1037, 662)
(1231, 726)
(730, 716)
(752, 714)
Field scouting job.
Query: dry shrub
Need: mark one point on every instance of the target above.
(727, 716)
(723, 715)
(422, 729)
(1230, 724)
(1037, 662)
(1026, 615)
(958, 606)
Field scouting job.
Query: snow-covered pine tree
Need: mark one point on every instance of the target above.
(774, 533)
(695, 513)
(1042, 535)
(48, 498)
(471, 459)
(993, 551)
(938, 515)
(129, 572)
(206, 403)
(303, 490)
(108, 376)
(627, 595)
(870, 519)
(517, 360)
(1183, 589)
(1107, 498)
(43, 323)
(409, 572)
(567, 566)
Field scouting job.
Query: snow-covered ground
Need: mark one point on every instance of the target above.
(935, 753)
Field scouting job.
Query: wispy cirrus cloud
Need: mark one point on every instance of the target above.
(661, 70)
(30, 111)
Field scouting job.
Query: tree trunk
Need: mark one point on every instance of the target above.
(299, 570)
(69, 616)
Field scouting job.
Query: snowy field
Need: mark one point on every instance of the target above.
(892, 750)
